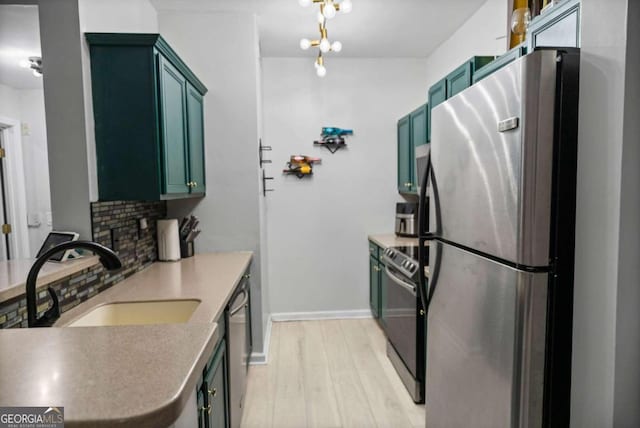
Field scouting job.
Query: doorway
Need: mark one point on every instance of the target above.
(14, 242)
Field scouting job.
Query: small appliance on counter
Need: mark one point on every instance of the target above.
(168, 240)
(407, 219)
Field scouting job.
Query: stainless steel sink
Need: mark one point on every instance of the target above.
(138, 313)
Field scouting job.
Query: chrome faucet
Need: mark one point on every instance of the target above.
(108, 258)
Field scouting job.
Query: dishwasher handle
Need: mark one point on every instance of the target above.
(242, 305)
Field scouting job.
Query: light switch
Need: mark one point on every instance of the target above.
(26, 130)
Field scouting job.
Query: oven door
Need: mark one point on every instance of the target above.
(401, 314)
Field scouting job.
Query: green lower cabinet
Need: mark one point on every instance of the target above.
(405, 162)
(374, 287)
(383, 295)
(202, 409)
(213, 392)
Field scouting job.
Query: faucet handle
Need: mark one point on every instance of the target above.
(52, 314)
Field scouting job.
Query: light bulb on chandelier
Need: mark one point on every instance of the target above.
(325, 46)
(329, 10)
(305, 44)
(346, 6)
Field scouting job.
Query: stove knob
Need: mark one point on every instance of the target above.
(412, 267)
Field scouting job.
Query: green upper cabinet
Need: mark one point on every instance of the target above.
(195, 131)
(173, 97)
(500, 62)
(557, 27)
(437, 95)
(454, 83)
(405, 167)
(149, 120)
(459, 79)
(419, 125)
(374, 287)
(412, 132)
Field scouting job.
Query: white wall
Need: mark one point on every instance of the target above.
(27, 107)
(9, 102)
(482, 34)
(36, 165)
(118, 16)
(114, 16)
(318, 226)
(607, 253)
(222, 49)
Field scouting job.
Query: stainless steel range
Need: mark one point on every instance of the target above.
(403, 317)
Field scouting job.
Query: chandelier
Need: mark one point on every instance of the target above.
(328, 10)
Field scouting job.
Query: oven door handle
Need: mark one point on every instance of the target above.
(401, 283)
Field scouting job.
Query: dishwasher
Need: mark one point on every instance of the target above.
(239, 346)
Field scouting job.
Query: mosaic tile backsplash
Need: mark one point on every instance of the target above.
(116, 225)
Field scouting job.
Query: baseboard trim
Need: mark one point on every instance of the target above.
(321, 315)
(258, 358)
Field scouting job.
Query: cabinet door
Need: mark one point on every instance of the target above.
(459, 79)
(374, 287)
(382, 290)
(202, 407)
(174, 137)
(249, 338)
(437, 95)
(419, 129)
(195, 132)
(405, 173)
(215, 381)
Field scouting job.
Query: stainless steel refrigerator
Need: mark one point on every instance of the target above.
(501, 179)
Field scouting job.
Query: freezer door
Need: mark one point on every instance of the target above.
(492, 152)
(485, 343)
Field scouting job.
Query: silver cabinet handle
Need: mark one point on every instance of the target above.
(245, 303)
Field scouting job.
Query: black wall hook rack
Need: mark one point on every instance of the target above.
(332, 147)
(264, 183)
(261, 149)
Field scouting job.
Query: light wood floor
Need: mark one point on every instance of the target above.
(332, 373)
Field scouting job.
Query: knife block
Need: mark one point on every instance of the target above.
(186, 249)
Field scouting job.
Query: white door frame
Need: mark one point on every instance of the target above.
(16, 188)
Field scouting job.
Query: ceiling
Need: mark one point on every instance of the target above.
(19, 39)
(375, 28)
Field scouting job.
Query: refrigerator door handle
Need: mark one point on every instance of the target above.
(433, 275)
(425, 236)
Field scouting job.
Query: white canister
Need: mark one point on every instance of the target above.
(168, 240)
